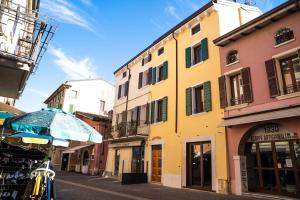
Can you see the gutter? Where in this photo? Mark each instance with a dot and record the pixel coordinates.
(176, 92)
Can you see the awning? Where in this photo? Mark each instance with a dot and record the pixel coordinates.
(73, 149)
(278, 114)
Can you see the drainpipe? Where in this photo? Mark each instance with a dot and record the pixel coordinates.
(176, 92)
(227, 162)
(126, 108)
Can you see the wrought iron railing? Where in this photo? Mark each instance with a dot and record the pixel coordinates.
(24, 33)
(237, 101)
(130, 129)
(292, 88)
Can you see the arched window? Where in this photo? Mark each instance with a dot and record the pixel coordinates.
(283, 35)
(232, 56)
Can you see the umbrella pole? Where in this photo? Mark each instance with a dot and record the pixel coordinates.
(2, 132)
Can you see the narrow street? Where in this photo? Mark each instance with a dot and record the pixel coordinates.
(77, 186)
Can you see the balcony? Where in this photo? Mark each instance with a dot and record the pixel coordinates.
(24, 37)
(130, 130)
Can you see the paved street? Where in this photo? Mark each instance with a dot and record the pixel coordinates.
(77, 186)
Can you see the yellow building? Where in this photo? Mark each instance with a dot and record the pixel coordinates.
(186, 147)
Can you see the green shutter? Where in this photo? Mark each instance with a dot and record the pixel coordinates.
(165, 70)
(147, 113)
(153, 75)
(164, 109)
(207, 96)
(152, 112)
(204, 49)
(188, 94)
(188, 57)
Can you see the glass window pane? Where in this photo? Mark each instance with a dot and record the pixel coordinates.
(297, 153)
(253, 179)
(251, 155)
(287, 181)
(266, 156)
(206, 164)
(269, 180)
(284, 159)
(196, 161)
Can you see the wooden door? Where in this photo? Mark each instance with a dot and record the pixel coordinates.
(156, 163)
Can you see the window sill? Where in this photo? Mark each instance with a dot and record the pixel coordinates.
(196, 65)
(232, 63)
(121, 98)
(284, 43)
(145, 86)
(198, 114)
(237, 106)
(158, 123)
(287, 96)
(160, 82)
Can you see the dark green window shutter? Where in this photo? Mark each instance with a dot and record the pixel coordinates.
(164, 113)
(153, 75)
(207, 96)
(165, 70)
(247, 86)
(149, 79)
(188, 94)
(222, 91)
(152, 112)
(140, 80)
(126, 88)
(204, 49)
(147, 113)
(188, 57)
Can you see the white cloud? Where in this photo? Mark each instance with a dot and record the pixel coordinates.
(86, 2)
(68, 13)
(74, 69)
(171, 10)
(38, 92)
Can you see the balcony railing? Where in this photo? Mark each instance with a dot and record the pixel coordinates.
(292, 88)
(237, 101)
(24, 33)
(133, 128)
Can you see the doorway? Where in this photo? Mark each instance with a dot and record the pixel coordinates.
(117, 162)
(156, 163)
(137, 163)
(65, 162)
(199, 165)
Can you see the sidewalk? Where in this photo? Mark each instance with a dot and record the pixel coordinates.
(77, 186)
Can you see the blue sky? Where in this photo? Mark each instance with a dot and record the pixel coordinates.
(95, 37)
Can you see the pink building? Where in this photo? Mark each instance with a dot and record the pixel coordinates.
(260, 94)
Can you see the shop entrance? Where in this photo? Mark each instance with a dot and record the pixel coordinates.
(117, 162)
(273, 161)
(199, 165)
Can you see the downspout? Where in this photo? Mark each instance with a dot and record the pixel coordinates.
(176, 92)
(126, 107)
(227, 162)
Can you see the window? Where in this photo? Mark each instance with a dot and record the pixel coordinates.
(195, 29)
(144, 78)
(147, 59)
(159, 110)
(123, 90)
(71, 108)
(159, 73)
(198, 99)
(124, 74)
(283, 35)
(160, 51)
(232, 57)
(196, 53)
(102, 105)
(290, 69)
(236, 89)
(73, 94)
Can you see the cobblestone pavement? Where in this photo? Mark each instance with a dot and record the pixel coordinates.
(76, 186)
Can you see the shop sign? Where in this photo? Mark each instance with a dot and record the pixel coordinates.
(272, 133)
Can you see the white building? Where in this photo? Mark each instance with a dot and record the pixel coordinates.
(94, 96)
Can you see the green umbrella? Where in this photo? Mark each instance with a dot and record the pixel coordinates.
(56, 123)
